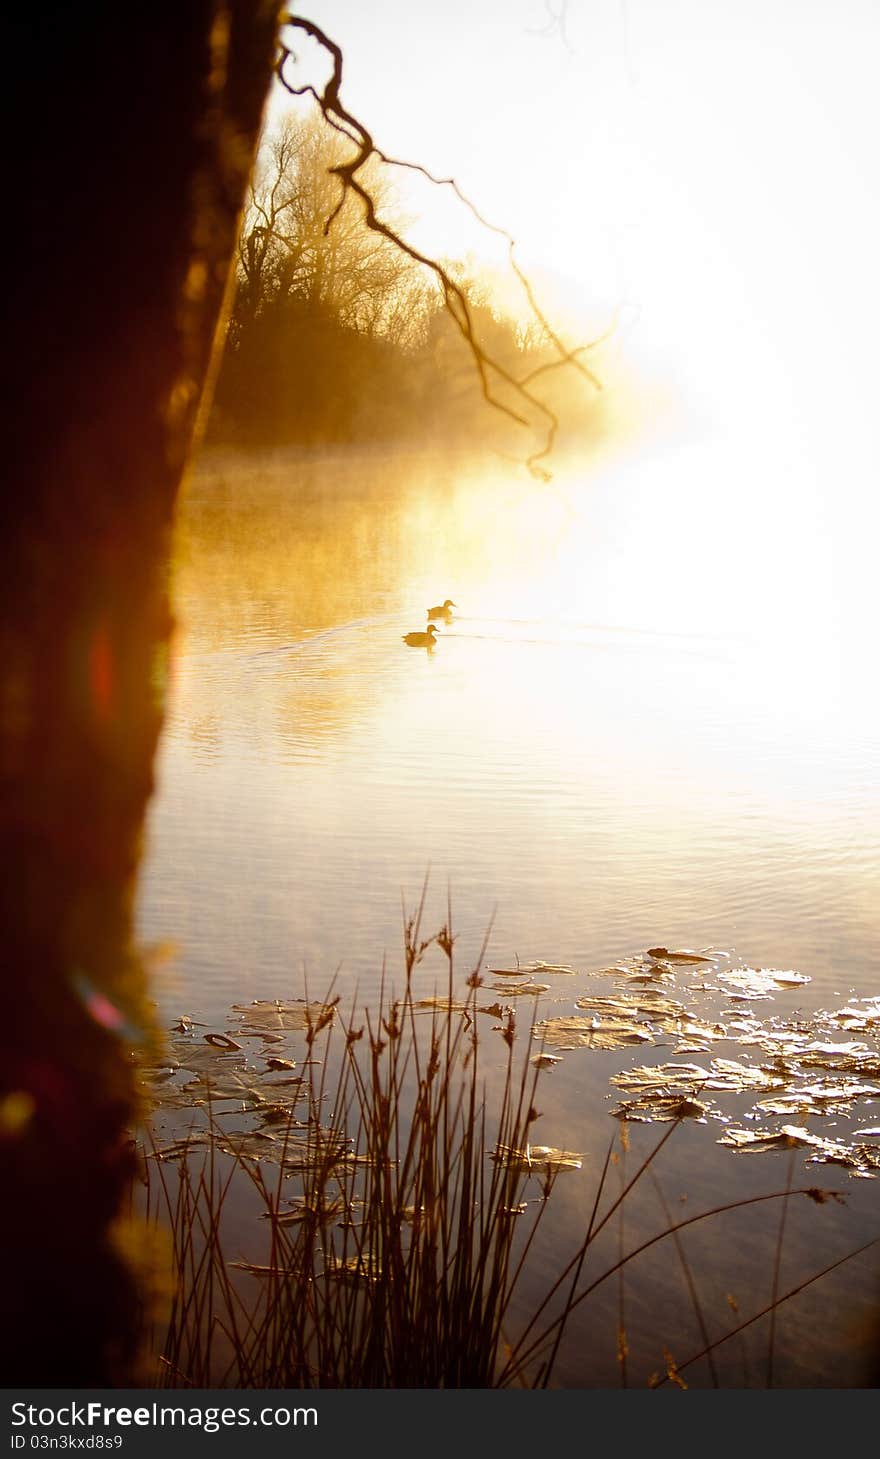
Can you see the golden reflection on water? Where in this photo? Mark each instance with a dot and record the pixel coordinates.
(649, 721)
(645, 721)
(732, 580)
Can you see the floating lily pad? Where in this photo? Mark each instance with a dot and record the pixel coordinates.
(659, 1108)
(516, 989)
(653, 1003)
(307, 1210)
(731, 1076)
(222, 1041)
(789, 1137)
(363, 1267)
(258, 1270)
(546, 1061)
(861, 1159)
(621, 970)
(831, 1097)
(528, 970)
(664, 1078)
(591, 1033)
(858, 1019)
(760, 983)
(659, 975)
(177, 1149)
(696, 1030)
(542, 1160)
(265, 1016)
(683, 955)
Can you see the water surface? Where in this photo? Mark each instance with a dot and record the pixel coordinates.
(651, 720)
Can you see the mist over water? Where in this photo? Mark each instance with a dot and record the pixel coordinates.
(642, 726)
(637, 727)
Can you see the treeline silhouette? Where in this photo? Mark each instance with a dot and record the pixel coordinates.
(336, 335)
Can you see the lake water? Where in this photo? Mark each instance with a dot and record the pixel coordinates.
(652, 720)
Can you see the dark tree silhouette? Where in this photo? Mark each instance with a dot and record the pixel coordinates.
(134, 139)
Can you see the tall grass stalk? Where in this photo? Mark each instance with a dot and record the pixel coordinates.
(401, 1263)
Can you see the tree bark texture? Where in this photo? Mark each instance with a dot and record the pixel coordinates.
(134, 136)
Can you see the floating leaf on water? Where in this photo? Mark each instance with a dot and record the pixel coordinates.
(591, 1033)
(789, 1137)
(528, 970)
(359, 1268)
(280, 1064)
(760, 983)
(744, 1026)
(657, 1108)
(860, 1159)
(222, 1085)
(200, 1057)
(292, 1154)
(267, 1016)
(654, 1004)
(546, 1061)
(845, 1089)
(536, 1159)
(454, 1005)
(662, 1077)
(852, 1050)
(514, 990)
(695, 1028)
(650, 977)
(859, 1019)
(179, 1148)
(820, 1099)
(683, 955)
(256, 1270)
(863, 1062)
(304, 1210)
(279, 1114)
(779, 1044)
(723, 1076)
(222, 1041)
(446, 1005)
(746, 987)
(731, 1077)
(559, 970)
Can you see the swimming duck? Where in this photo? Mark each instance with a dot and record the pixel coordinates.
(442, 610)
(421, 640)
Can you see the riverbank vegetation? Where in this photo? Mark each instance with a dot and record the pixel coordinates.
(378, 1212)
(339, 335)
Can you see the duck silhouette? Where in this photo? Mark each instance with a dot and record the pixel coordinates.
(442, 610)
(421, 640)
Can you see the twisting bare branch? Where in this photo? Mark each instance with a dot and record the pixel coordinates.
(337, 116)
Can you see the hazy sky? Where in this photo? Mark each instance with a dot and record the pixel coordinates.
(709, 163)
(709, 167)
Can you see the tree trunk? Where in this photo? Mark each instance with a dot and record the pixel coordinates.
(137, 144)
